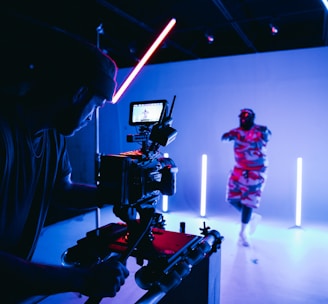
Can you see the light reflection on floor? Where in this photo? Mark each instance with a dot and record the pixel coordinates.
(283, 265)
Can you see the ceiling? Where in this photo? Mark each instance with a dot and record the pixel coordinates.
(203, 29)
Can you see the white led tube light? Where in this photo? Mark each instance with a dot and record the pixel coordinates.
(298, 213)
(203, 186)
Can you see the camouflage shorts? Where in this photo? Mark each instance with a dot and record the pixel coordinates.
(245, 186)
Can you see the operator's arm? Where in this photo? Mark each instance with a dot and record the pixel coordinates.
(23, 279)
(78, 195)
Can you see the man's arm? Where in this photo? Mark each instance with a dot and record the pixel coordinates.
(78, 195)
(231, 135)
(23, 279)
(266, 133)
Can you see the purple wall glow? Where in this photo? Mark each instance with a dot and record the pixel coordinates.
(287, 90)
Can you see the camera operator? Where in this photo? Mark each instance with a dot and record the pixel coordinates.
(50, 87)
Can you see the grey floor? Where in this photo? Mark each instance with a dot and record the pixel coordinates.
(283, 265)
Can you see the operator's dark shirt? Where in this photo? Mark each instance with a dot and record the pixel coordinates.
(30, 165)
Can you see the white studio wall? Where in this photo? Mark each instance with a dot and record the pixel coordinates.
(288, 92)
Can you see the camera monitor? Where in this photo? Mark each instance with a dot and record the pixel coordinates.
(146, 112)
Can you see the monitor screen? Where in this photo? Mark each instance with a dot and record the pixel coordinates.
(146, 112)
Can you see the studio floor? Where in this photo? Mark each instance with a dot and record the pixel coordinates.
(282, 265)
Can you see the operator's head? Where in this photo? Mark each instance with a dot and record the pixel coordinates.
(49, 63)
(59, 75)
(89, 82)
(246, 118)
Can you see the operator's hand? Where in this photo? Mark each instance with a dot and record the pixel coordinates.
(105, 279)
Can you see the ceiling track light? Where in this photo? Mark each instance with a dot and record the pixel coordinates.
(209, 37)
(273, 29)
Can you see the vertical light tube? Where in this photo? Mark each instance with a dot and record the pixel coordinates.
(325, 3)
(165, 203)
(143, 60)
(165, 199)
(298, 212)
(203, 186)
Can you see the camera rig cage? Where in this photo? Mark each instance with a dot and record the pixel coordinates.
(134, 182)
(138, 177)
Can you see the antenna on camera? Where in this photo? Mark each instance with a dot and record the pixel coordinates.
(171, 110)
(166, 120)
(162, 133)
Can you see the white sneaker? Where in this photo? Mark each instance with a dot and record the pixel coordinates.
(243, 240)
(256, 218)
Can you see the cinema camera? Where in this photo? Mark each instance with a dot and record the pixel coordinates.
(134, 182)
(137, 177)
